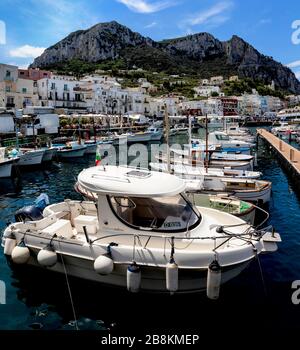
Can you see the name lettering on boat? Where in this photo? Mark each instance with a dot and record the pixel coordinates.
(172, 224)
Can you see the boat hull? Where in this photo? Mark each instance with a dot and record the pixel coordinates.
(6, 169)
(31, 158)
(72, 153)
(263, 196)
(91, 148)
(49, 155)
(153, 279)
(156, 136)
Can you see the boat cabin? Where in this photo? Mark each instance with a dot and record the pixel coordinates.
(130, 199)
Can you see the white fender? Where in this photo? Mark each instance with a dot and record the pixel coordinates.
(104, 265)
(213, 280)
(47, 257)
(20, 254)
(10, 243)
(133, 278)
(172, 276)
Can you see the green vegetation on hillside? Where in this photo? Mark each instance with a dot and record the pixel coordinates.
(237, 88)
(79, 68)
(168, 78)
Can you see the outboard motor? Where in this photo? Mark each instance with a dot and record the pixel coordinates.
(33, 212)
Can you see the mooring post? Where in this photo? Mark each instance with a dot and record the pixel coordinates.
(292, 155)
(280, 146)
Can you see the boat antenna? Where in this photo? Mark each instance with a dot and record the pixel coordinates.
(167, 130)
(206, 143)
(190, 129)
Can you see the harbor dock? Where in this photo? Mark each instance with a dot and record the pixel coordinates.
(288, 155)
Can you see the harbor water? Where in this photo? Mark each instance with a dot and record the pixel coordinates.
(261, 297)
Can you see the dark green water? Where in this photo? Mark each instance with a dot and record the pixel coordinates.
(41, 299)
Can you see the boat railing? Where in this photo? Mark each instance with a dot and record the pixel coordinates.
(249, 235)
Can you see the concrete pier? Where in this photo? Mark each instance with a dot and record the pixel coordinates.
(287, 154)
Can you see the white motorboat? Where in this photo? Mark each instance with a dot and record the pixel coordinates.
(286, 131)
(141, 136)
(156, 133)
(194, 172)
(251, 190)
(6, 164)
(139, 233)
(28, 156)
(199, 154)
(178, 129)
(72, 149)
(237, 133)
(213, 163)
(222, 141)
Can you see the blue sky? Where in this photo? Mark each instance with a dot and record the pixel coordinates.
(32, 25)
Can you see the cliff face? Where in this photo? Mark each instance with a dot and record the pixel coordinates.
(101, 42)
(199, 53)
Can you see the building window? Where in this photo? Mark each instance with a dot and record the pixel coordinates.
(65, 87)
(8, 74)
(52, 86)
(43, 84)
(24, 90)
(7, 88)
(35, 84)
(10, 102)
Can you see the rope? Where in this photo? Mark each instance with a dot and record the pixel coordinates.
(261, 273)
(69, 290)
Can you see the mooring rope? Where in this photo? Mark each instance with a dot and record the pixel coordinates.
(69, 290)
(261, 273)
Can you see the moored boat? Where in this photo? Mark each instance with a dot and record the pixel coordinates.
(140, 233)
(70, 150)
(6, 164)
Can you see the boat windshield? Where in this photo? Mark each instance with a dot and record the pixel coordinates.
(222, 137)
(162, 214)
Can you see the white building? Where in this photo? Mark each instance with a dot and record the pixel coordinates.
(173, 104)
(206, 91)
(60, 92)
(218, 80)
(211, 106)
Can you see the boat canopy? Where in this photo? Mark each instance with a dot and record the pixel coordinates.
(126, 181)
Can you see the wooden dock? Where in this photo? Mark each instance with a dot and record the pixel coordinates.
(287, 154)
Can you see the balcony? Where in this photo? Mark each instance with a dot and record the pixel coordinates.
(7, 78)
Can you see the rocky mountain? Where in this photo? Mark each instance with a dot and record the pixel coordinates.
(199, 54)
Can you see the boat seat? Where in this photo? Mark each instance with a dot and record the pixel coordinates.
(90, 222)
(62, 228)
(40, 224)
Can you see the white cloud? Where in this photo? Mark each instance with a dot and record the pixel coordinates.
(294, 64)
(151, 25)
(61, 17)
(215, 15)
(144, 6)
(265, 21)
(26, 51)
